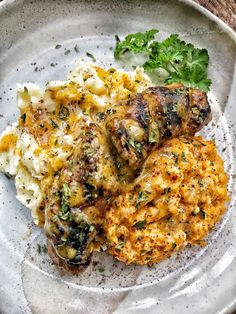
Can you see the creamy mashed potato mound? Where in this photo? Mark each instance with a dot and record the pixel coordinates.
(39, 144)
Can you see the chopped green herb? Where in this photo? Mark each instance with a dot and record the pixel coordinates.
(76, 48)
(8, 176)
(26, 89)
(196, 111)
(195, 211)
(200, 183)
(140, 224)
(131, 197)
(63, 112)
(23, 117)
(67, 52)
(120, 246)
(53, 123)
(65, 216)
(143, 252)
(88, 54)
(224, 149)
(63, 239)
(167, 190)
(176, 157)
(117, 38)
(132, 142)
(44, 248)
(101, 115)
(66, 193)
(135, 144)
(101, 270)
(142, 197)
(88, 151)
(108, 199)
(153, 135)
(175, 107)
(91, 228)
(39, 248)
(203, 214)
(111, 111)
(58, 46)
(183, 155)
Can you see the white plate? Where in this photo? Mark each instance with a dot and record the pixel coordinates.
(196, 280)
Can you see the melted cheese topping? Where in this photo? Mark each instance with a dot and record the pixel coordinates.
(176, 200)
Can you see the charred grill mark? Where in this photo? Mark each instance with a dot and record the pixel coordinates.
(187, 102)
(139, 111)
(172, 120)
(167, 134)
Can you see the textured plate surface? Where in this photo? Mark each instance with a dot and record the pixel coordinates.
(196, 280)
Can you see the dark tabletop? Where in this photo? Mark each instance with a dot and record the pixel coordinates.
(224, 9)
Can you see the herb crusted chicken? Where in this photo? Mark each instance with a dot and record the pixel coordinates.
(146, 120)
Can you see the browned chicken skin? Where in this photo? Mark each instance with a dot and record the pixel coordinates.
(153, 116)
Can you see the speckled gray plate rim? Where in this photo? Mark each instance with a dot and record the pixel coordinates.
(196, 280)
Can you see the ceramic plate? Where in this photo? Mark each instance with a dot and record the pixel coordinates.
(196, 280)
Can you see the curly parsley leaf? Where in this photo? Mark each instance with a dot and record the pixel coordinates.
(135, 43)
(181, 61)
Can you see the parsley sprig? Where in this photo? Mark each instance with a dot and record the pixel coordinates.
(181, 61)
(136, 43)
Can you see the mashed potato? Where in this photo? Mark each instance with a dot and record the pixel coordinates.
(40, 143)
(178, 197)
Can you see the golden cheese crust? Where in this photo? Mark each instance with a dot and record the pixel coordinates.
(178, 197)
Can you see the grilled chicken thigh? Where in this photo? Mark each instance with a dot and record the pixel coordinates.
(153, 116)
(78, 200)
